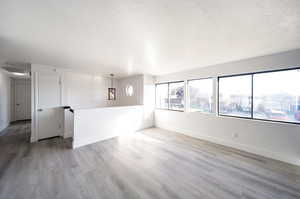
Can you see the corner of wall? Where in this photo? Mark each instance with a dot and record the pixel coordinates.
(5, 99)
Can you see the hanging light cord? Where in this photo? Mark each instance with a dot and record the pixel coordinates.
(112, 80)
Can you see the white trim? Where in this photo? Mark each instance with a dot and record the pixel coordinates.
(34, 103)
(60, 83)
(186, 97)
(12, 100)
(216, 95)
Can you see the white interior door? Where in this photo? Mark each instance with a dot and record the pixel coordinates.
(49, 113)
(22, 99)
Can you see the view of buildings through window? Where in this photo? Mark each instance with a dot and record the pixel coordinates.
(170, 96)
(276, 95)
(201, 95)
(235, 95)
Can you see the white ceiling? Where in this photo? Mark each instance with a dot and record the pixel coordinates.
(145, 36)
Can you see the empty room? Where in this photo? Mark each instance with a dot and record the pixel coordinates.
(156, 99)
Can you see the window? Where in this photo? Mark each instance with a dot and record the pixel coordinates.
(235, 95)
(170, 96)
(162, 99)
(276, 96)
(272, 95)
(201, 95)
(176, 96)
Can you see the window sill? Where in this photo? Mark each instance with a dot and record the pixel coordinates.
(164, 109)
(260, 120)
(202, 112)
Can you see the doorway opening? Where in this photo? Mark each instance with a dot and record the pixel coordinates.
(18, 100)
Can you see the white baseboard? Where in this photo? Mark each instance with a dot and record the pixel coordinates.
(243, 147)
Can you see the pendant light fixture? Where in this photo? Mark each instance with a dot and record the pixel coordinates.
(112, 90)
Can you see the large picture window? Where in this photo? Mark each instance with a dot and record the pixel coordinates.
(276, 96)
(201, 93)
(235, 95)
(170, 96)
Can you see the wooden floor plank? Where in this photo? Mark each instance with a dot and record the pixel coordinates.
(150, 164)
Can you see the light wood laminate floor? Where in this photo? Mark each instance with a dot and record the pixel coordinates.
(151, 164)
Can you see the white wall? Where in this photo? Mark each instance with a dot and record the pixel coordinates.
(78, 90)
(68, 124)
(97, 124)
(143, 94)
(149, 100)
(85, 90)
(81, 91)
(275, 140)
(131, 114)
(5, 99)
(137, 82)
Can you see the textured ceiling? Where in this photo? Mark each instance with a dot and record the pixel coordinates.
(145, 36)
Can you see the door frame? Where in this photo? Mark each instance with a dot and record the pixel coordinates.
(35, 100)
(34, 105)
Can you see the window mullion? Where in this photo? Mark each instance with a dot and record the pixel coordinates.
(168, 95)
(252, 96)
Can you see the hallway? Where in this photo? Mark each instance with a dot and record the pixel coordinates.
(17, 128)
